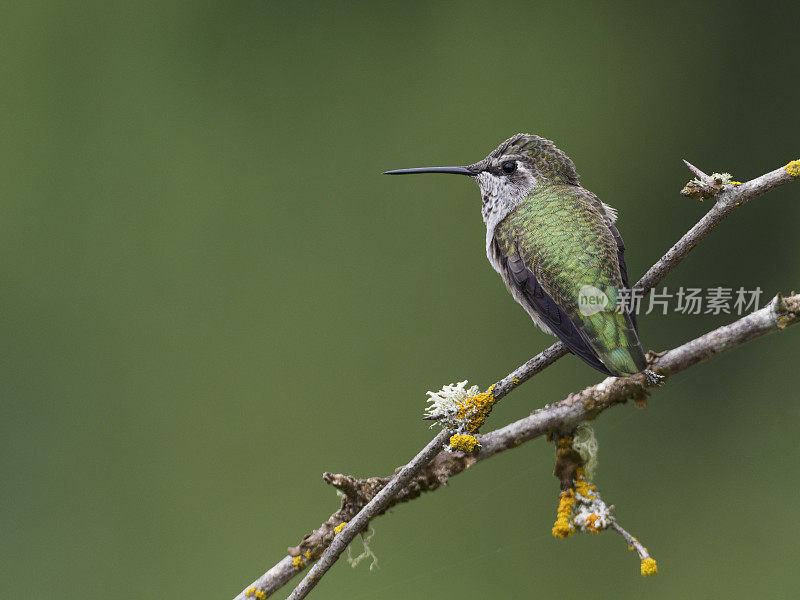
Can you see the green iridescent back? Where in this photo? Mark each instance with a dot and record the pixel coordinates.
(561, 233)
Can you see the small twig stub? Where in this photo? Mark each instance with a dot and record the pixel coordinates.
(705, 186)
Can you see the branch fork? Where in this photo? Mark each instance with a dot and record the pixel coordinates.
(705, 186)
(364, 499)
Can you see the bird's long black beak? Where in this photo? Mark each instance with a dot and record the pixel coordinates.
(454, 170)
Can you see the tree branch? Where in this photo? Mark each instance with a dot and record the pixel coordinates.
(777, 315)
(590, 402)
(419, 475)
(374, 507)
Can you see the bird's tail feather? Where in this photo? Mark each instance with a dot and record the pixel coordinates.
(613, 337)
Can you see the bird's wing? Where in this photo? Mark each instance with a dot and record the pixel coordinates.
(623, 267)
(552, 246)
(522, 278)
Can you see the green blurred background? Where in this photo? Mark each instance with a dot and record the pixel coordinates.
(211, 295)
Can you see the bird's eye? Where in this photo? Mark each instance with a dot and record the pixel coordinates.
(509, 167)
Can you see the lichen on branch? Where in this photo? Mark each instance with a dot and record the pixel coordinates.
(364, 498)
(580, 506)
(462, 411)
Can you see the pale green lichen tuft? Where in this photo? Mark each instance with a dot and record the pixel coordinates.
(721, 178)
(446, 403)
(584, 442)
(353, 561)
(461, 410)
(702, 189)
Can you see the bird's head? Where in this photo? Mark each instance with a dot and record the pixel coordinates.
(513, 169)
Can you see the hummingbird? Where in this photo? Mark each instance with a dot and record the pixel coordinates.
(557, 249)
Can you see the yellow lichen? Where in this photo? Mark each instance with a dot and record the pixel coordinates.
(591, 523)
(298, 563)
(250, 591)
(793, 168)
(515, 380)
(261, 595)
(566, 503)
(562, 528)
(583, 487)
(463, 442)
(339, 527)
(307, 554)
(475, 409)
(649, 567)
